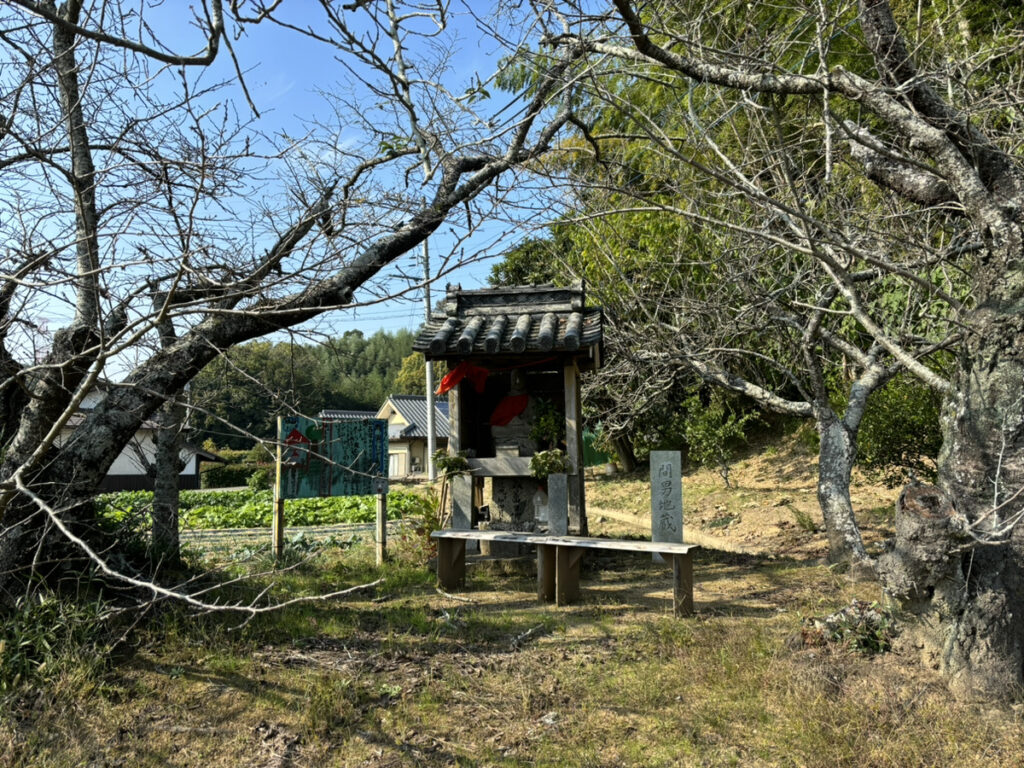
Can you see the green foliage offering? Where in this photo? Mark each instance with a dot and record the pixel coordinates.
(553, 462)
(548, 427)
(448, 464)
(254, 509)
(900, 430)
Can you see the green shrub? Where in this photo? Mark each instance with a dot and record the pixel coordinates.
(259, 480)
(713, 426)
(259, 454)
(861, 626)
(233, 456)
(803, 519)
(225, 475)
(900, 430)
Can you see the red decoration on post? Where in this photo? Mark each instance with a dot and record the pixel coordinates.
(475, 373)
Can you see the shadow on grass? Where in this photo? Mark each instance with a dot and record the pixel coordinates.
(623, 583)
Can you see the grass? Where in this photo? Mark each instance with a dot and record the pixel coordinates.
(405, 675)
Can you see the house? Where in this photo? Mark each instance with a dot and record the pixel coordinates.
(130, 470)
(407, 432)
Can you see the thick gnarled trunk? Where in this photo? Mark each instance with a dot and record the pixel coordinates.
(982, 468)
(958, 563)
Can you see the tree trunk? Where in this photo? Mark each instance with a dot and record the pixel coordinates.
(923, 570)
(167, 466)
(836, 456)
(962, 573)
(982, 467)
(624, 451)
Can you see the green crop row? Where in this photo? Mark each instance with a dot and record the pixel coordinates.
(254, 509)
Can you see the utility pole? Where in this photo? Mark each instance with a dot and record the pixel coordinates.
(431, 427)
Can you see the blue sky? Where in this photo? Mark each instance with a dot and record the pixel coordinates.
(283, 73)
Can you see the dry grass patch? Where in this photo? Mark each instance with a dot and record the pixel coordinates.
(407, 676)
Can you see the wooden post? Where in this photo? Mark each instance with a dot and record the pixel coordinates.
(451, 563)
(682, 584)
(382, 527)
(567, 574)
(277, 525)
(546, 572)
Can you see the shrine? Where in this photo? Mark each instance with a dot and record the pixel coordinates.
(514, 358)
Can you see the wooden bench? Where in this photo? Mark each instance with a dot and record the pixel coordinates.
(558, 562)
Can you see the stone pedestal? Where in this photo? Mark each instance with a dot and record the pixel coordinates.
(512, 510)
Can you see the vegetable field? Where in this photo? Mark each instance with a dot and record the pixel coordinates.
(253, 509)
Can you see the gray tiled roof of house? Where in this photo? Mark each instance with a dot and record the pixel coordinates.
(414, 410)
(522, 320)
(347, 415)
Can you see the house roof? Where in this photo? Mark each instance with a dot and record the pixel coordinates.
(413, 410)
(202, 454)
(342, 415)
(522, 320)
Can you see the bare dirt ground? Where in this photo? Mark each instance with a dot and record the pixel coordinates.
(770, 510)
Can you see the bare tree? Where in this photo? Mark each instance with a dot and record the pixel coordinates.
(127, 177)
(928, 129)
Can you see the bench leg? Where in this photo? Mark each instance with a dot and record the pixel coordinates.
(567, 574)
(682, 584)
(546, 573)
(451, 563)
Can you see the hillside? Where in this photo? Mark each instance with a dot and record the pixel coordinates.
(770, 510)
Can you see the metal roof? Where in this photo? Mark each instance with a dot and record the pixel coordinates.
(347, 415)
(521, 320)
(413, 408)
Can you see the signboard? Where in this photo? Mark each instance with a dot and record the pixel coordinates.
(666, 497)
(321, 457)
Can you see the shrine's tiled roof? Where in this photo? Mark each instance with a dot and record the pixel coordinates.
(523, 320)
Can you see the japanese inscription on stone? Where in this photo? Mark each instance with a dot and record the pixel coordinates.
(666, 497)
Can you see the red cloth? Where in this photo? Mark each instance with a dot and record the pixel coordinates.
(508, 409)
(476, 374)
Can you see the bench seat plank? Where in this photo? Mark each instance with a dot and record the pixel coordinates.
(558, 561)
(587, 542)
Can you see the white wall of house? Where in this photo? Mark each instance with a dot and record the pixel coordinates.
(128, 461)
